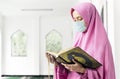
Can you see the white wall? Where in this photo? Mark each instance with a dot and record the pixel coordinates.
(28, 65)
(25, 14)
(36, 28)
(117, 36)
(1, 24)
(29, 21)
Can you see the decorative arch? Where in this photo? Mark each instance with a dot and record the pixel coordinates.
(18, 43)
(53, 41)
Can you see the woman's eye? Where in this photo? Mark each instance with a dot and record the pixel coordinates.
(79, 18)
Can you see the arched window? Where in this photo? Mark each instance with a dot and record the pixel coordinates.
(18, 43)
(53, 41)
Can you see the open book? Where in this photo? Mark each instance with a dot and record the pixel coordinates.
(76, 53)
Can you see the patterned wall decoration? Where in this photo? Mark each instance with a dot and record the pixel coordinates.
(19, 43)
(53, 41)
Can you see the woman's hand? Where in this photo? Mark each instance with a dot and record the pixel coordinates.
(75, 67)
(51, 59)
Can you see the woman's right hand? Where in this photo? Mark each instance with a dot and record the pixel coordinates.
(51, 59)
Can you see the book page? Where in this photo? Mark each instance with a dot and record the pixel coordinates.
(52, 53)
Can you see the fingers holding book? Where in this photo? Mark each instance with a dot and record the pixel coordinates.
(77, 67)
(51, 58)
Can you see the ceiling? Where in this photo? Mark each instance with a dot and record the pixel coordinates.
(36, 7)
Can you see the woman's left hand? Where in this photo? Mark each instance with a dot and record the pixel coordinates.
(75, 67)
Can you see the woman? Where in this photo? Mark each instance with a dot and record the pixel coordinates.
(90, 35)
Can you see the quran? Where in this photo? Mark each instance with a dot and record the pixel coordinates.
(79, 55)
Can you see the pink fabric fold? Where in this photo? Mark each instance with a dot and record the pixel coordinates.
(60, 72)
(94, 41)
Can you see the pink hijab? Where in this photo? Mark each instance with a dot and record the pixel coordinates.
(95, 35)
(94, 41)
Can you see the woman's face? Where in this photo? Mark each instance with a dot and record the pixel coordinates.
(76, 16)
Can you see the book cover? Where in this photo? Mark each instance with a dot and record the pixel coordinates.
(76, 53)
